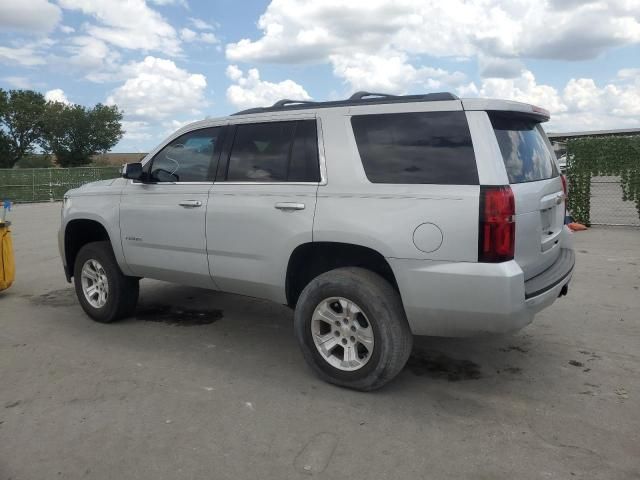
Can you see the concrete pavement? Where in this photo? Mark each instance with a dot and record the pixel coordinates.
(208, 385)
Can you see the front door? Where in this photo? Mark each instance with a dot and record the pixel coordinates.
(262, 205)
(162, 218)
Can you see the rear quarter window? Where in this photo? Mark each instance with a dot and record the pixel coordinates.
(526, 153)
(417, 147)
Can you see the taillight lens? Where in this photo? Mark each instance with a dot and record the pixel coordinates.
(497, 232)
(566, 193)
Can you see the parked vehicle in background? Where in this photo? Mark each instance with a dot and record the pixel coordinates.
(376, 218)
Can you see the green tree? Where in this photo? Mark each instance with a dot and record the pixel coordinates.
(74, 133)
(21, 115)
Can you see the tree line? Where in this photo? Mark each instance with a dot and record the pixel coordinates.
(73, 133)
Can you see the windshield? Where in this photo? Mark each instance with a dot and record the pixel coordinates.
(525, 150)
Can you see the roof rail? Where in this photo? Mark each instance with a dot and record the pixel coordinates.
(358, 98)
(361, 95)
(286, 101)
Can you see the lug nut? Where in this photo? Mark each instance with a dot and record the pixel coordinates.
(344, 341)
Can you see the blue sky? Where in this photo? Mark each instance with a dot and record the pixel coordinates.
(167, 62)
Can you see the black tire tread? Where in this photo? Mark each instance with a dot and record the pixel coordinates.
(392, 323)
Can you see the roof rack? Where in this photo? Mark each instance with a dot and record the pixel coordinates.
(285, 102)
(358, 98)
(361, 95)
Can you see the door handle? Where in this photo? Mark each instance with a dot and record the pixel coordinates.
(190, 203)
(289, 206)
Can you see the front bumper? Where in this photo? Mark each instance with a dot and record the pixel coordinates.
(466, 299)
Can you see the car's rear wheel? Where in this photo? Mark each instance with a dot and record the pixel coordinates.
(352, 328)
(104, 292)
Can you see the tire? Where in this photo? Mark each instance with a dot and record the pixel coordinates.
(121, 292)
(380, 305)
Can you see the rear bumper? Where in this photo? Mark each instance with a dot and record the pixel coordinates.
(465, 299)
(551, 277)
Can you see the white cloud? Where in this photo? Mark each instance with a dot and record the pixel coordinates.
(188, 35)
(200, 24)
(297, 31)
(580, 105)
(136, 130)
(67, 29)
(390, 72)
(208, 37)
(523, 89)
(56, 95)
(157, 88)
(249, 91)
(128, 24)
(171, 126)
(37, 16)
(18, 82)
(94, 56)
(491, 67)
(27, 55)
(181, 3)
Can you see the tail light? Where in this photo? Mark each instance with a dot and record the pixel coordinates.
(496, 242)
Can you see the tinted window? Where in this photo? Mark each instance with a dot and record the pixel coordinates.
(275, 152)
(187, 158)
(526, 154)
(423, 147)
(303, 165)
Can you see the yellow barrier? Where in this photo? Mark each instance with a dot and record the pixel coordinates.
(7, 263)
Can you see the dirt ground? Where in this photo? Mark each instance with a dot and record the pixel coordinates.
(208, 385)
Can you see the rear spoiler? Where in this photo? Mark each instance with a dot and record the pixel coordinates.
(540, 114)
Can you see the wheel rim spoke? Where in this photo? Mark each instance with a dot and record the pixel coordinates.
(328, 345)
(349, 356)
(89, 272)
(365, 337)
(325, 313)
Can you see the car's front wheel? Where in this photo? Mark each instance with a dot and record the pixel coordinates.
(104, 292)
(352, 328)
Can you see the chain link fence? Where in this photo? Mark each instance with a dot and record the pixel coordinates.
(607, 206)
(48, 184)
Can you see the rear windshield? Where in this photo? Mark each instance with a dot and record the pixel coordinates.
(420, 147)
(526, 153)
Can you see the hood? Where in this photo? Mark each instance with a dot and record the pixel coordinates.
(99, 186)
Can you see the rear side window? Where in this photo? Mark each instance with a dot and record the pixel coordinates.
(420, 147)
(275, 152)
(526, 153)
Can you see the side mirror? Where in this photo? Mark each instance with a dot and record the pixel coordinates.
(132, 171)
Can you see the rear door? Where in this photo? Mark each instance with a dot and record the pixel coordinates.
(262, 204)
(537, 187)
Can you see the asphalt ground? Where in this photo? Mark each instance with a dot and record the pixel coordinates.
(202, 384)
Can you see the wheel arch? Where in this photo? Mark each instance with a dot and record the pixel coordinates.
(311, 259)
(77, 233)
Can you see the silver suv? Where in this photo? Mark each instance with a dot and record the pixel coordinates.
(377, 218)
